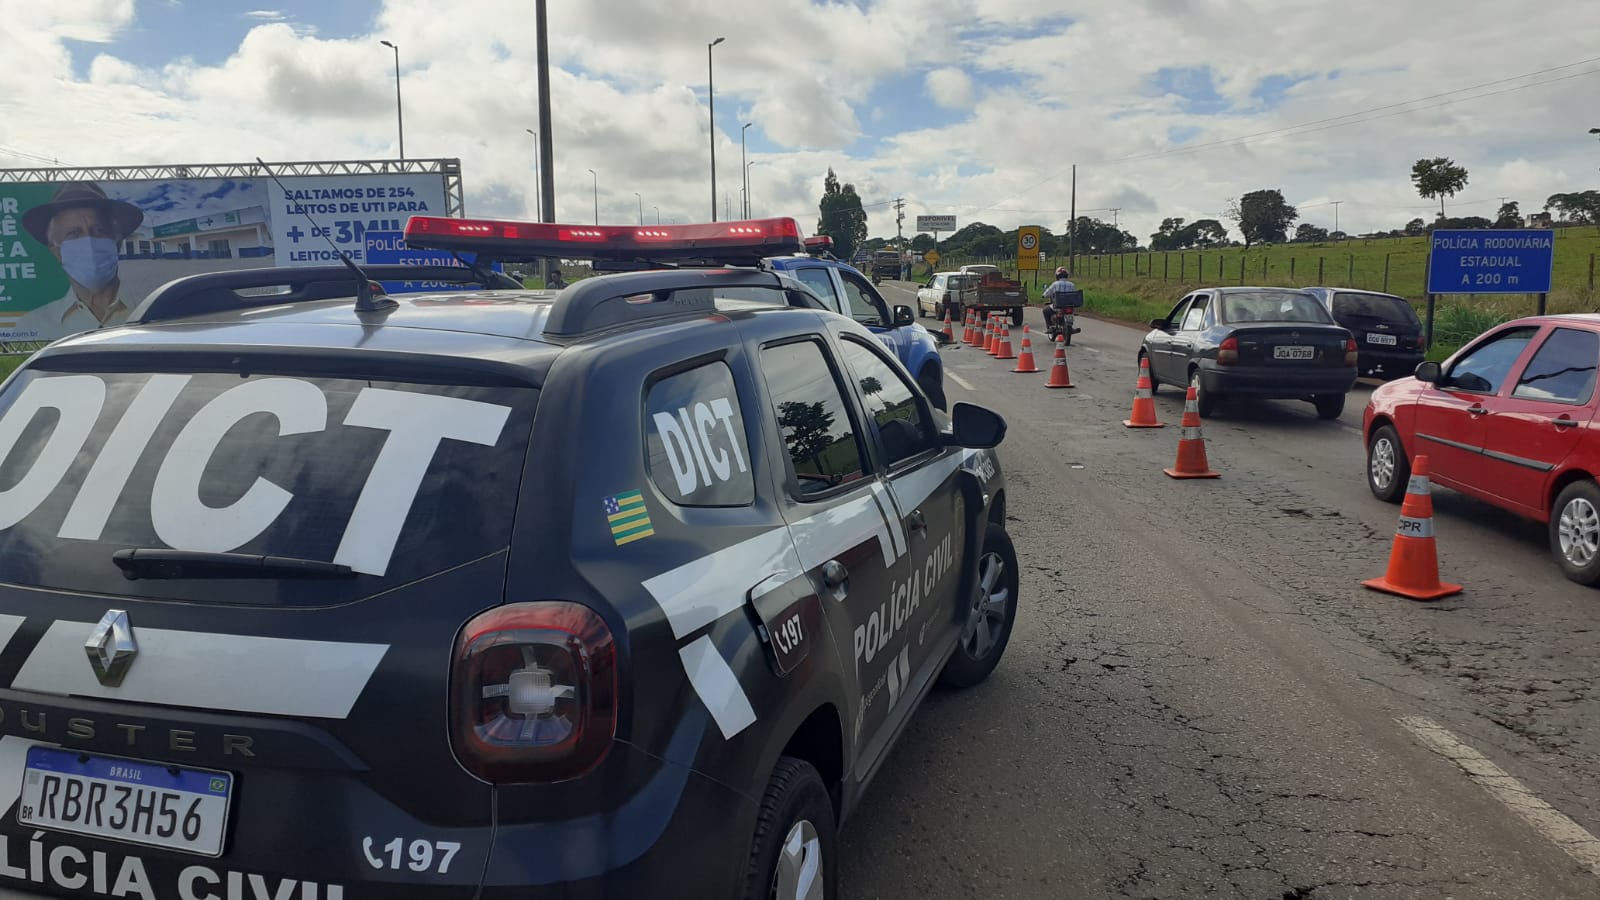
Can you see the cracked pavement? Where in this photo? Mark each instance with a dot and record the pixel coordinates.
(1199, 699)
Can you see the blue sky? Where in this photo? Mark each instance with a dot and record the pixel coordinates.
(972, 107)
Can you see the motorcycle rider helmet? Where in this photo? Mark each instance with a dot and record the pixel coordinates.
(1061, 272)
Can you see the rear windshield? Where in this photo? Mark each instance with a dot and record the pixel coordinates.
(1374, 308)
(1273, 306)
(962, 282)
(396, 481)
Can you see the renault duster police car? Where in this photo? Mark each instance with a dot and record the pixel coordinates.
(621, 591)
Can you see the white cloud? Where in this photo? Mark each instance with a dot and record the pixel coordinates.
(950, 88)
(1028, 88)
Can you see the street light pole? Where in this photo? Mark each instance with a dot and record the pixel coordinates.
(538, 205)
(399, 110)
(744, 170)
(596, 197)
(749, 206)
(641, 206)
(658, 214)
(711, 102)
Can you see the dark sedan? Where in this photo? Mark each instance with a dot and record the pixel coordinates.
(1277, 343)
(1387, 331)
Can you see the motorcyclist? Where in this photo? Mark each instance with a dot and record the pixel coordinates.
(1064, 288)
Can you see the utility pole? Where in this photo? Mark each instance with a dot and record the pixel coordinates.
(1336, 216)
(1072, 225)
(1114, 211)
(711, 102)
(899, 217)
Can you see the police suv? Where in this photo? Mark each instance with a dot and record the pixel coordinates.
(312, 593)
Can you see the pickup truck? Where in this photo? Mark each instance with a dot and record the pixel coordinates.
(997, 293)
(885, 264)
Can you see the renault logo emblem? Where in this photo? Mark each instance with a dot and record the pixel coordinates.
(111, 647)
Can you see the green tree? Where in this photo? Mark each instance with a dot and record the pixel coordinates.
(842, 219)
(1209, 233)
(1438, 177)
(1263, 216)
(1308, 233)
(922, 243)
(1416, 227)
(1582, 207)
(1509, 216)
(1168, 237)
(807, 429)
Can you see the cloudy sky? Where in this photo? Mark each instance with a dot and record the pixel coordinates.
(968, 107)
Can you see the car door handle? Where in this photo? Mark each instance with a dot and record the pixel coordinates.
(918, 522)
(1564, 422)
(835, 575)
(1476, 411)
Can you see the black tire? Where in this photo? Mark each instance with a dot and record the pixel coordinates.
(1329, 406)
(795, 794)
(921, 313)
(977, 654)
(1205, 402)
(1066, 336)
(1016, 317)
(1386, 453)
(1575, 519)
(932, 386)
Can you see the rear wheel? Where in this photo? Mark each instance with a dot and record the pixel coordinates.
(1205, 402)
(991, 611)
(1016, 317)
(1329, 406)
(793, 854)
(931, 385)
(1575, 531)
(1388, 470)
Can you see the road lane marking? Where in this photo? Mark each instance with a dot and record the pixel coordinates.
(961, 381)
(1545, 819)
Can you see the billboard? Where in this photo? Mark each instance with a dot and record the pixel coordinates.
(80, 254)
(936, 223)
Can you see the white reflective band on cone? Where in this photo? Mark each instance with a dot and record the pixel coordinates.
(1417, 485)
(1191, 433)
(1191, 406)
(1142, 393)
(1414, 527)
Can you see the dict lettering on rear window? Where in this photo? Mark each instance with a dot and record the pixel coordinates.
(695, 440)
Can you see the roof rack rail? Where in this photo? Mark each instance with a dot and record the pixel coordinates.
(211, 292)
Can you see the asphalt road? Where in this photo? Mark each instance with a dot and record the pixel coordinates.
(1201, 701)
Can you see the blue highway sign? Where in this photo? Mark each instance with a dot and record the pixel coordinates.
(1491, 262)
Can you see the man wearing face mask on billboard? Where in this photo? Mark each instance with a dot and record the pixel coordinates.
(83, 229)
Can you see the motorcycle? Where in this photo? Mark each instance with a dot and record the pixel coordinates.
(1060, 317)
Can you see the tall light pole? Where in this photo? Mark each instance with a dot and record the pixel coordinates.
(711, 101)
(596, 197)
(547, 168)
(658, 214)
(749, 206)
(538, 206)
(745, 170)
(399, 110)
(641, 206)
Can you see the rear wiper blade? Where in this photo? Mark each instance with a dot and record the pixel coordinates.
(181, 564)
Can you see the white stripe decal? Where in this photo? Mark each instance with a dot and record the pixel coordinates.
(704, 590)
(227, 672)
(8, 629)
(717, 686)
(891, 514)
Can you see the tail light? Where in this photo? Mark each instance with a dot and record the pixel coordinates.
(1228, 351)
(533, 692)
(1351, 351)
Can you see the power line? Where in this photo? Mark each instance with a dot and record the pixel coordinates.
(1354, 118)
(21, 154)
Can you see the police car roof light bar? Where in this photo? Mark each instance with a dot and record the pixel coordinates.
(746, 242)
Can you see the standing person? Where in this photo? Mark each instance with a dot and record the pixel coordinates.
(1062, 294)
(83, 228)
(554, 281)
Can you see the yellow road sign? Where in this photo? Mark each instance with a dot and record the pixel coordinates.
(932, 256)
(1028, 251)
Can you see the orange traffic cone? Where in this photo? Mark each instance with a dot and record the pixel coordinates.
(949, 331)
(988, 334)
(967, 336)
(1144, 400)
(1413, 559)
(993, 342)
(1003, 349)
(1025, 362)
(1059, 376)
(1192, 445)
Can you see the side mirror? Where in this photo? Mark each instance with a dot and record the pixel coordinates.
(903, 316)
(1158, 324)
(975, 427)
(1429, 372)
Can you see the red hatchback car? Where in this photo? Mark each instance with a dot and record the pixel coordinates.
(1510, 419)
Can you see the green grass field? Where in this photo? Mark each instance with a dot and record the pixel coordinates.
(8, 364)
(1139, 287)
